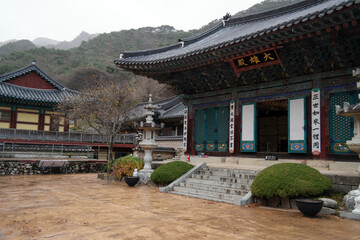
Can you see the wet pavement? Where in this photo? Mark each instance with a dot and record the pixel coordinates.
(84, 207)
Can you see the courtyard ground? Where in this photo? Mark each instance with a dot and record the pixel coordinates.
(84, 207)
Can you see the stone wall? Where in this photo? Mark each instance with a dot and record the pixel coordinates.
(17, 167)
(176, 144)
(343, 184)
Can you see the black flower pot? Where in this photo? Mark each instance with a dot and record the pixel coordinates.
(132, 181)
(309, 207)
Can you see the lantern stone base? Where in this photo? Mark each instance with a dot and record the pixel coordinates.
(145, 175)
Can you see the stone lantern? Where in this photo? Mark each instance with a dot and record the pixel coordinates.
(352, 199)
(148, 143)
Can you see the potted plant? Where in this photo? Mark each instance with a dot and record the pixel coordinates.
(132, 180)
(125, 166)
(309, 207)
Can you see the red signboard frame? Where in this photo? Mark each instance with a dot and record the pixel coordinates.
(238, 69)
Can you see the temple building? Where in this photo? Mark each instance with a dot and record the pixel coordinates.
(29, 98)
(30, 125)
(265, 83)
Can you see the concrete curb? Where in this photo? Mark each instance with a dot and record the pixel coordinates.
(247, 199)
(171, 186)
(349, 215)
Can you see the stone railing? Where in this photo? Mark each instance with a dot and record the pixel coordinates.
(34, 135)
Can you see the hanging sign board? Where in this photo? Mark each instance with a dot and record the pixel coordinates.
(185, 128)
(231, 126)
(315, 122)
(260, 59)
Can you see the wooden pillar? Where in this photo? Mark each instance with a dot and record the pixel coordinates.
(325, 125)
(237, 127)
(13, 117)
(191, 131)
(41, 122)
(66, 124)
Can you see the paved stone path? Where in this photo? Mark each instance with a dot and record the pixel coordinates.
(85, 207)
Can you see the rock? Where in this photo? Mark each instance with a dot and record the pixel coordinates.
(330, 203)
(327, 211)
(274, 202)
(349, 199)
(285, 203)
(293, 204)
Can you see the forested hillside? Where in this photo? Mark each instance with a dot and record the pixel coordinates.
(20, 45)
(97, 54)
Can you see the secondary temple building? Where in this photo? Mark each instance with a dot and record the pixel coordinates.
(265, 83)
(28, 98)
(30, 123)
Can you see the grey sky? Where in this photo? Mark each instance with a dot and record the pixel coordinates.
(64, 20)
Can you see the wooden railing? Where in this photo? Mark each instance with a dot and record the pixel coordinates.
(34, 135)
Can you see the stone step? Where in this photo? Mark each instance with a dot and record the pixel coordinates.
(242, 191)
(241, 184)
(231, 170)
(237, 174)
(209, 194)
(233, 173)
(222, 179)
(203, 197)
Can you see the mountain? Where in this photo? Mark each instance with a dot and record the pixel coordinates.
(44, 42)
(17, 46)
(6, 42)
(99, 52)
(76, 42)
(64, 45)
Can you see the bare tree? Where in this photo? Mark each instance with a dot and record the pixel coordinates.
(105, 108)
(144, 86)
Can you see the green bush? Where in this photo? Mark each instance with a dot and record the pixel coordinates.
(169, 172)
(125, 166)
(289, 180)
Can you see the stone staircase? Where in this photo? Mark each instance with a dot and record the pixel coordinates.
(217, 184)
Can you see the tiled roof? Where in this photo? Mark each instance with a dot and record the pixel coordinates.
(51, 96)
(31, 68)
(168, 108)
(238, 30)
(35, 95)
(176, 111)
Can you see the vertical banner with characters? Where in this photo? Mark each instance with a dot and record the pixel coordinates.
(185, 128)
(315, 122)
(231, 126)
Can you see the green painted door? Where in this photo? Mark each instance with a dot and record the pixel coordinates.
(212, 129)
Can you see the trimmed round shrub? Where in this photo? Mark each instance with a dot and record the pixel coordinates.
(169, 172)
(289, 180)
(125, 166)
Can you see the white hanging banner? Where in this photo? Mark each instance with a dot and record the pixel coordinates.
(248, 128)
(185, 128)
(297, 125)
(231, 126)
(315, 122)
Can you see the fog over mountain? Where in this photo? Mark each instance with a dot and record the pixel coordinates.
(64, 45)
(13, 45)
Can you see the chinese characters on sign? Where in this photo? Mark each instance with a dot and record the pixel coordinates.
(255, 60)
(231, 126)
(185, 128)
(315, 121)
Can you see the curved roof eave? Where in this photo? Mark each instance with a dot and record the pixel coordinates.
(245, 28)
